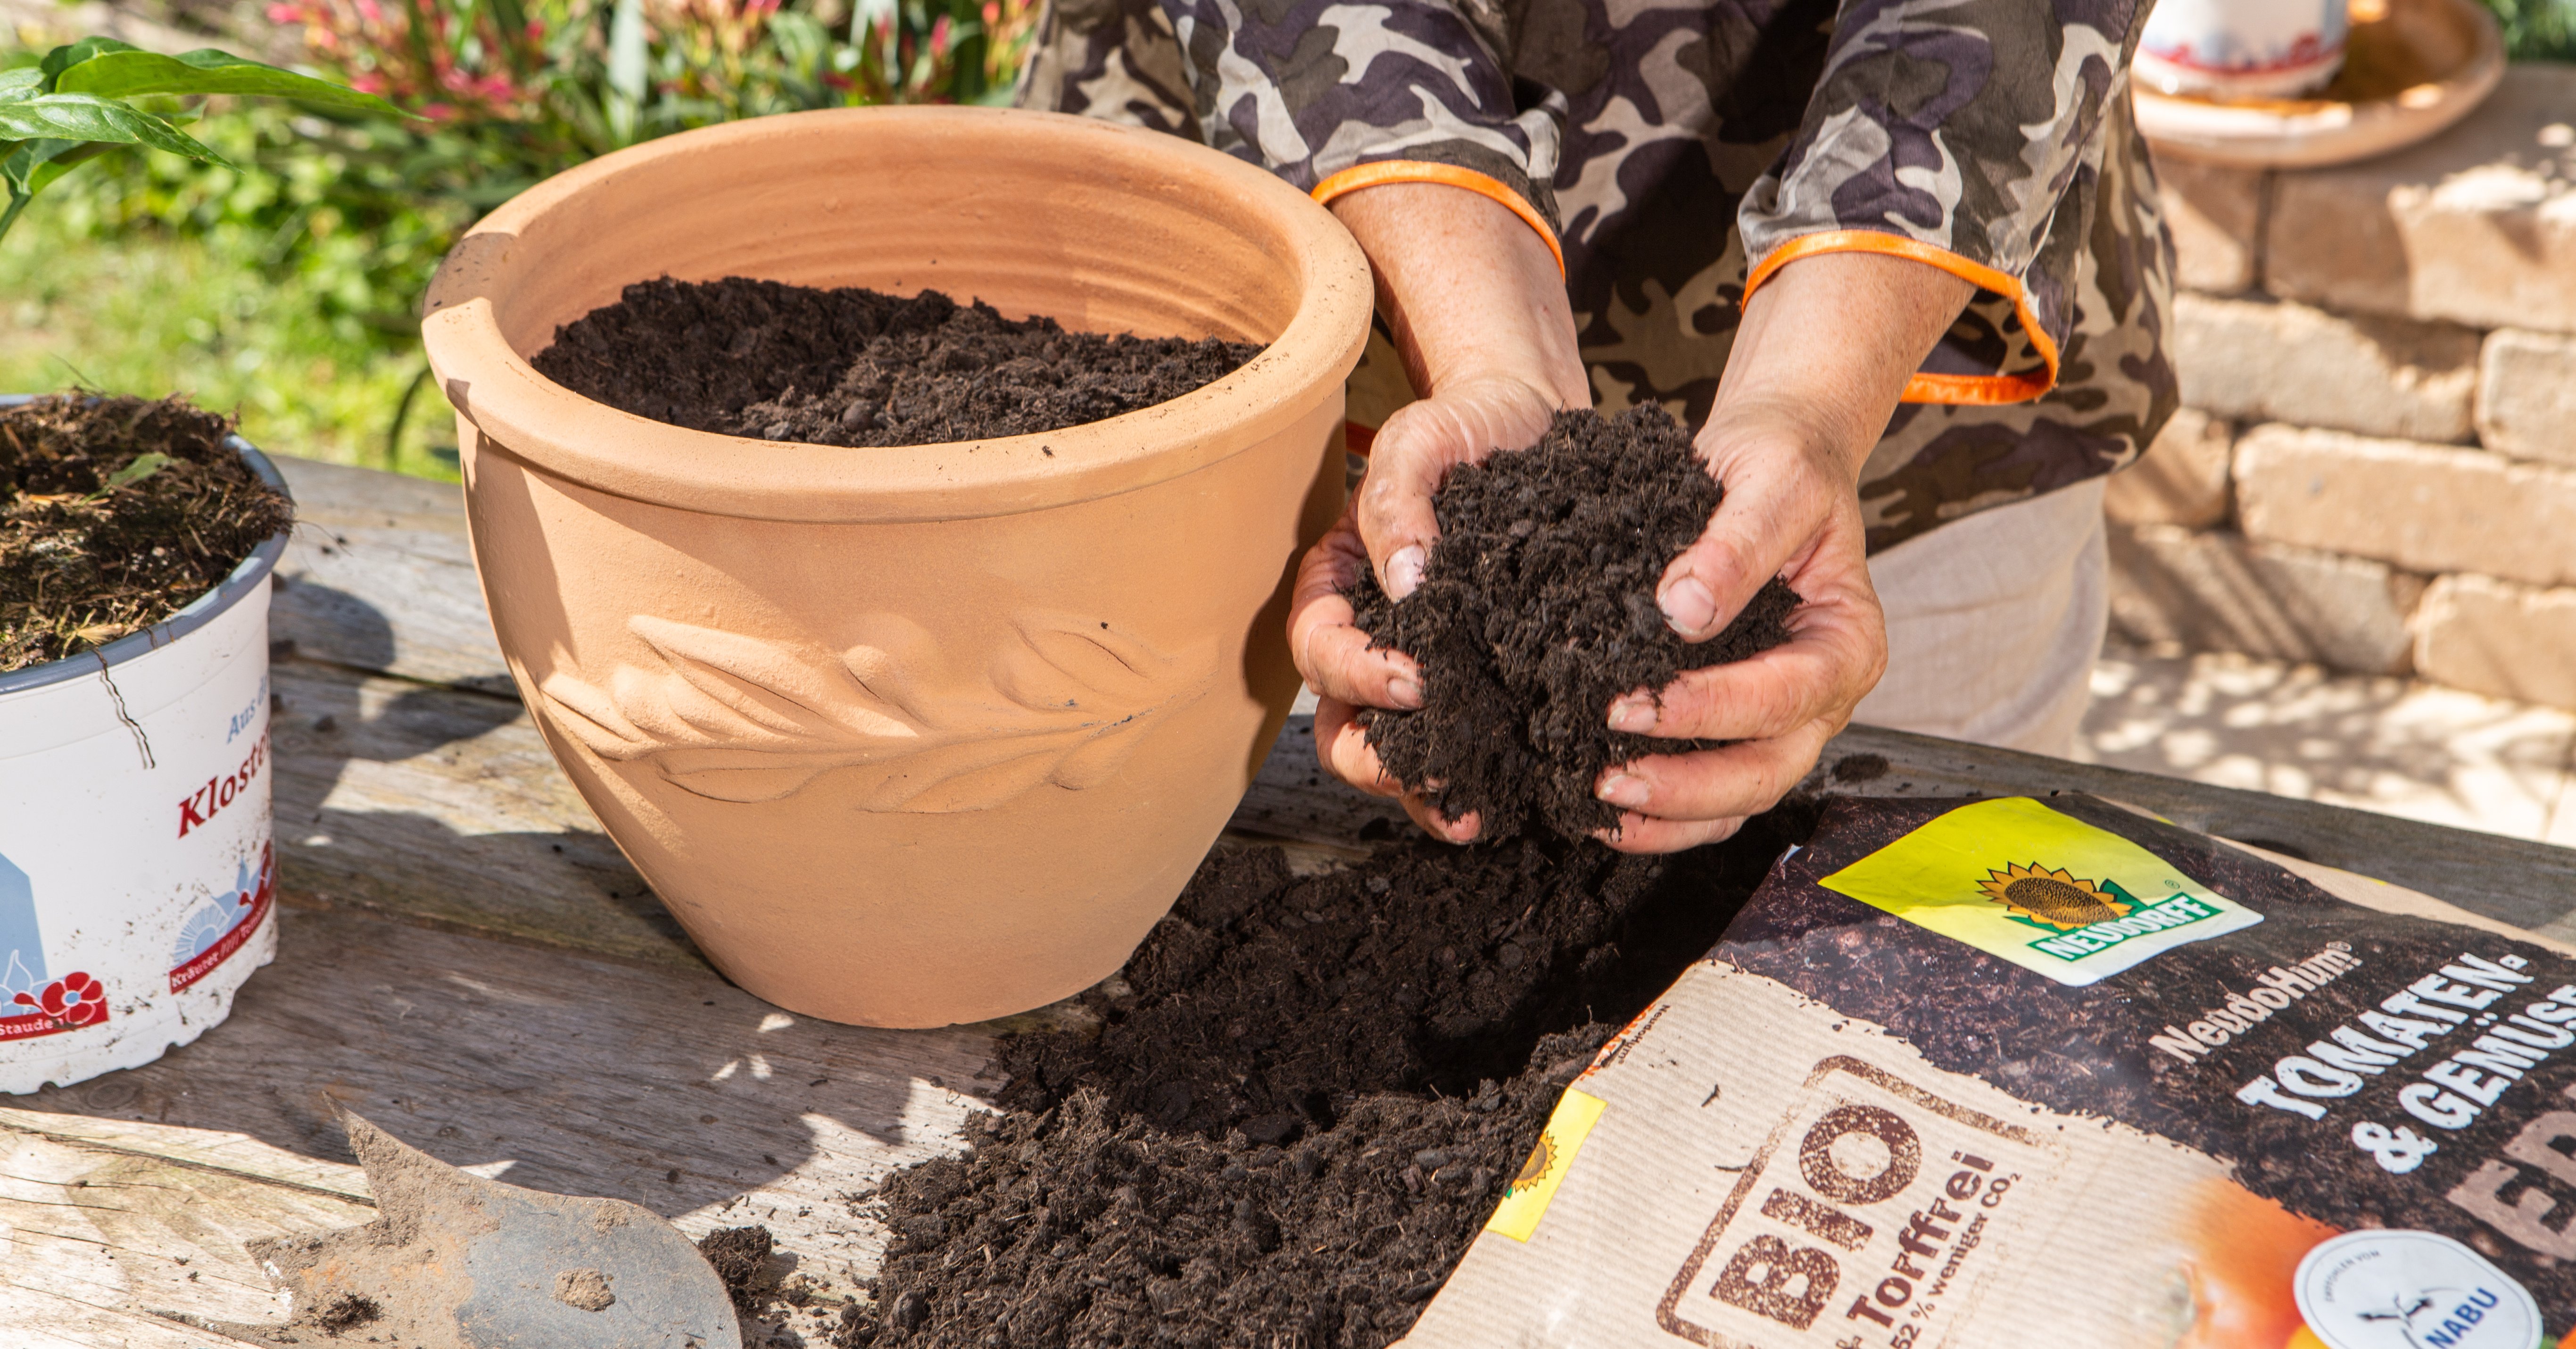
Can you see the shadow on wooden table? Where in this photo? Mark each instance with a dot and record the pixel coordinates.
(469, 962)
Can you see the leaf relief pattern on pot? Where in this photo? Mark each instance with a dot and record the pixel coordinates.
(923, 728)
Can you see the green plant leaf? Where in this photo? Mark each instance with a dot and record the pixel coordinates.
(131, 74)
(20, 83)
(136, 470)
(87, 117)
(52, 159)
(71, 54)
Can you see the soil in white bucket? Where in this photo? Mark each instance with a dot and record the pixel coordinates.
(137, 876)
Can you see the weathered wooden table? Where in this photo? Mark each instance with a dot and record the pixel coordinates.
(468, 961)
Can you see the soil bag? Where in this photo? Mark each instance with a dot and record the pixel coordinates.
(2009, 1073)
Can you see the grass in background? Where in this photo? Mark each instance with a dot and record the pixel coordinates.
(286, 290)
(148, 313)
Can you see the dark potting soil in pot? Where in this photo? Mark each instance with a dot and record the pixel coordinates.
(859, 367)
(1305, 1101)
(1537, 609)
(116, 513)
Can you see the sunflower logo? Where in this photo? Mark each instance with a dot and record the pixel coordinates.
(2045, 894)
(1541, 1158)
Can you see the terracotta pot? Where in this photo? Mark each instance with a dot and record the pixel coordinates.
(909, 736)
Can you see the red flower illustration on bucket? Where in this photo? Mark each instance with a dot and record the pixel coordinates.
(74, 1000)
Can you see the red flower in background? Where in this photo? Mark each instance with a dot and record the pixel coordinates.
(74, 1000)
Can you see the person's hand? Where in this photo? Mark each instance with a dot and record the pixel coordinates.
(1481, 320)
(1819, 362)
(1390, 517)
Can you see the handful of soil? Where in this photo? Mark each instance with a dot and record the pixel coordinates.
(1537, 609)
(116, 513)
(771, 361)
(1309, 1097)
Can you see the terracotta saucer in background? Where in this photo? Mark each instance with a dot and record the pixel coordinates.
(2411, 68)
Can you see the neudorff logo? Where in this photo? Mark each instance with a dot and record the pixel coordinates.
(2041, 889)
(2411, 1290)
(2081, 917)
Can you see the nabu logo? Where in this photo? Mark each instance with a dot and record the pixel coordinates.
(2399, 1289)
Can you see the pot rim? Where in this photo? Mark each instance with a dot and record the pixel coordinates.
(249, 575)
(535, 420)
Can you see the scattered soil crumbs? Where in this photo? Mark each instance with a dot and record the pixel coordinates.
(1860, 768)
(740, 1256)
(860, 367)
(115, 513)
(342, 1314)
(1306, 1102)
(1537, 609)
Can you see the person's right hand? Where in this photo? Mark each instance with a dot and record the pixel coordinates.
(1390, 518)
(1482, 323)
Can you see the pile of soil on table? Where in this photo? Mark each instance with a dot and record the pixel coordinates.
(860, 367)
(1537, 609)
(1304, 1104)
(115, 513)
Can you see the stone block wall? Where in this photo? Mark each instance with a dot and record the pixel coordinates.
(2375, 468)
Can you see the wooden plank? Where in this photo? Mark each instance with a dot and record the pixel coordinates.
(2527, 884)
(99, 1238)
(185, 1149)
(338, 494)
(380, 577)
(668, 1087)
(335, 595)
(444, 807)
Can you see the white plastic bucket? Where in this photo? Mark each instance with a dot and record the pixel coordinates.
(137, 879)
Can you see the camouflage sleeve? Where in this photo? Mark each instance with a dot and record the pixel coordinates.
(1968, 134)
(1116, 60)
(1314, 88)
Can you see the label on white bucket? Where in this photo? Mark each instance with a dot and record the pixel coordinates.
(137, 876)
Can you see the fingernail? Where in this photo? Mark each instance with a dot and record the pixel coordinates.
(1404, 571)
(1688, 606)
(1633, 714)
(1624, 790)
(1404, 692)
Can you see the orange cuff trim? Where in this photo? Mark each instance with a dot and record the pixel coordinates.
(1383, 172)
(1922, 388)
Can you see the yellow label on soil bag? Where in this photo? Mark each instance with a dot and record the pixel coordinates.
(1528, 1194)
(2045, 891)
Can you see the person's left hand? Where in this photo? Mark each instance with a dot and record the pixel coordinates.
(1390, 516)
(1480, 320)
(1789, 512)
(1824, 351)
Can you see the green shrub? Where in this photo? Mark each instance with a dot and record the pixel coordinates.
(2537, 30)
(344, 218)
